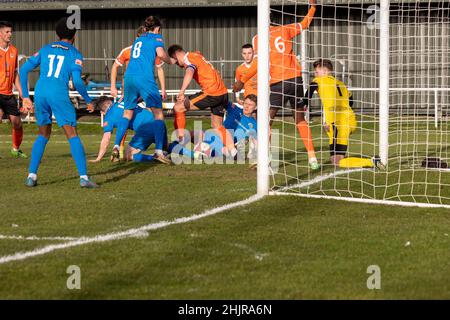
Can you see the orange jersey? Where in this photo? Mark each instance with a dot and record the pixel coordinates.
(124, 57)
(206, 76)
(250, 86)
(8, 69)
(283, 61)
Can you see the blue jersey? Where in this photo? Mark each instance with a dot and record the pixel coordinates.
(59, 61)
(115, 113)
(233, 116)
(143, 55)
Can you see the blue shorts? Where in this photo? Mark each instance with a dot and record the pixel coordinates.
(136, 88)
(59, 105)
(142, 141)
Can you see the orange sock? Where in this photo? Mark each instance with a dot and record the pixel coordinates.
(227, 140)
(180, 120)
(306, 135)
(17, 136)
(180, 123)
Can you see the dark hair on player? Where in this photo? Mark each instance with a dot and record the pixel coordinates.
(152, 22)
(63, 31)
(325, 63)
(252, 97)
(100, 102)
(140, 31)
(174, 49)
(5, 24)
(247, 46)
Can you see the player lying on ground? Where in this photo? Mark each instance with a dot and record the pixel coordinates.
(58, 61)
(148, 132)
(9, 76)
(339, 120)
(250, 86)
(286, 83)
(113, 112)
(214, 94)
(140, 79)
(122, 61)
(241, 123)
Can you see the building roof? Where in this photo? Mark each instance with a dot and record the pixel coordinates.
(116, 4)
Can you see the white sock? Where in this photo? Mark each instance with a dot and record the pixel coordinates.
(33, 176)
(116, 146)
(159, 152)
(312, 160)
(84, 177)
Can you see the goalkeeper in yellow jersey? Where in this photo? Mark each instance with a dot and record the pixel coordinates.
(339, 120)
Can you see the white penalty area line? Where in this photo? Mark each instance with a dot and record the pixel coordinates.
(124, 234)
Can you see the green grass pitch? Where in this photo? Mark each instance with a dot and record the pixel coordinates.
(282, 247)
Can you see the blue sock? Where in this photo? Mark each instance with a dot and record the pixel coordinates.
(122, 128)
(160, 134)
(140, 157)
(77, 149)
(36, 153)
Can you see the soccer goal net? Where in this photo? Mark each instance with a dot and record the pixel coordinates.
(377, 77)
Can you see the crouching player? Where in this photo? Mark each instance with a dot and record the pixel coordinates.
(113, 113)
(339, 119)
(146, 134)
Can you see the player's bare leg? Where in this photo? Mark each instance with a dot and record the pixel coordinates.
(158, 113)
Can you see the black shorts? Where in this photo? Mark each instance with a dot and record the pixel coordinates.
(9, 105)
(218, 104)
(290, 90)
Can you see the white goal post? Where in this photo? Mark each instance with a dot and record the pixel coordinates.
(393, 56)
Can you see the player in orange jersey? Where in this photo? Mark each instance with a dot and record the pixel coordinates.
(286, 83)
(214, 94)
(9, 76)
(250, 86)
(122, 61)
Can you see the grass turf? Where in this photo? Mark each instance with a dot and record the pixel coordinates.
(280, 247)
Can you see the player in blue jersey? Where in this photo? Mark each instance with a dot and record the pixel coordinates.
(140, 79)
(113, 112)
(58, 61)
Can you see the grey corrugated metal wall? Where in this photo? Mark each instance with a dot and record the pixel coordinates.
(217, 32)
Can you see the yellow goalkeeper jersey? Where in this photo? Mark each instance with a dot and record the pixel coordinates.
(336, 99)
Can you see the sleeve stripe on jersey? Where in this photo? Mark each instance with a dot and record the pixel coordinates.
(118, 62)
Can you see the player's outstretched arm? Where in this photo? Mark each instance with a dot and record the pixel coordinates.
(162, 81)
(162, 54)
(79, 86)
(29, 66)
(310, 16)
(114, 71)
(103, 147)
(188, 76)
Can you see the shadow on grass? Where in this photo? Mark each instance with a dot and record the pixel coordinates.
(128, 169)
